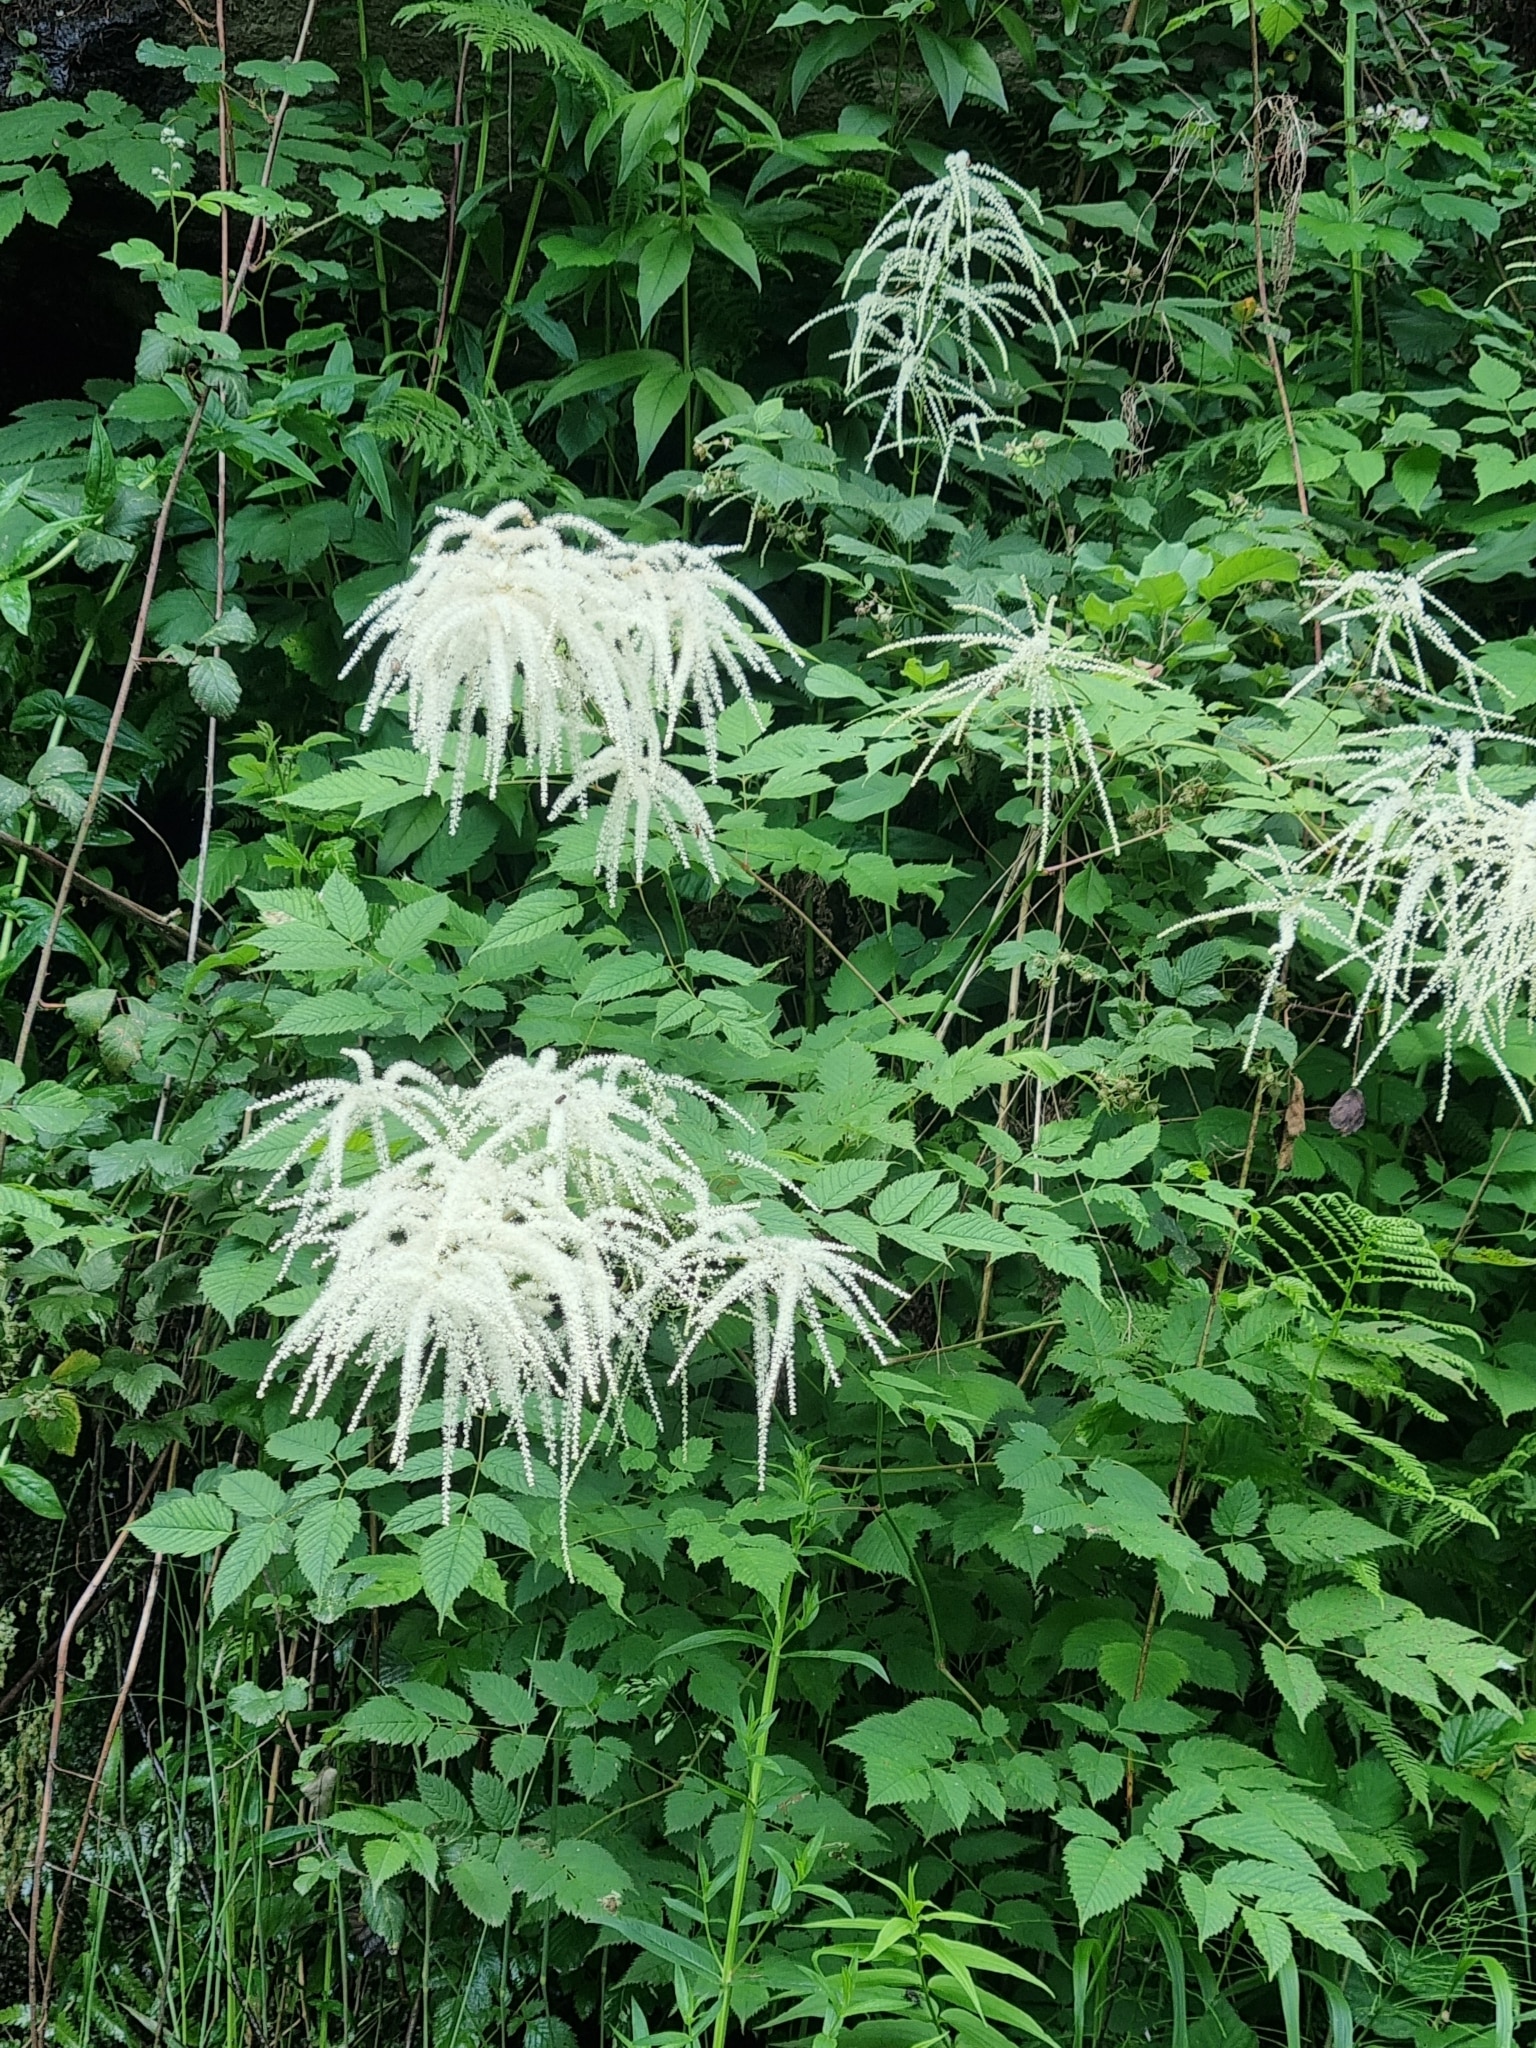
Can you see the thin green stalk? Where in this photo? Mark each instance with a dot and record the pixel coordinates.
(757, 1750)
(55, 734)
(520, 260)
(379, 271)
(455, 196)
(896, 85)
(482, 158)
(688, 424)
(687, 309)
(1352, 185)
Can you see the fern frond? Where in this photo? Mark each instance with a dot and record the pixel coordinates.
(493, 26)
(484, 448)
(1341, 1249)
(1403, 1762)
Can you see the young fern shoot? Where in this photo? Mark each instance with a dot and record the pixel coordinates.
(519, 1241)
(956, 274)
(595, 649)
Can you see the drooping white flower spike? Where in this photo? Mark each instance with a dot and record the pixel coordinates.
(729, 1262)
(474, 1267)
(591, 647)
(1285, 891)
(1430, 888)
(343, 1112)
(1455, 873)
(1403, 623)
(521, 1242)
(604, 1126)
(644, 789)
(1038, 675)
(956, 272)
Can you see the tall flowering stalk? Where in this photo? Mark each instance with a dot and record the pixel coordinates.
(592, 648)
(518, 1241)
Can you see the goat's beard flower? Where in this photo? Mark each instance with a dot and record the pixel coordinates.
(1430, 888)
(595, 648)
(956, 273)
(523, 1238)
(1403, 624)
(1038, 675)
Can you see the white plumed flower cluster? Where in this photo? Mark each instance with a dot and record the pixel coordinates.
(1389, 624)
(1430, 888)
(956, 271)
(519, 1240)
(1039, 676)
(593, 647)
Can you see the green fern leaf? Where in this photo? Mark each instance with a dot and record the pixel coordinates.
(492, 26)
(1342, 1250)
(1406, 1766)
(483, 448)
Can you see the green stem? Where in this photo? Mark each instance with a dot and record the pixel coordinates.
(682, 208)
(56, 733)
(58, 556)
(482, 157)
(1352, 184)
(378, 240)
(455, 200)
(757, 1750)
(519, 262)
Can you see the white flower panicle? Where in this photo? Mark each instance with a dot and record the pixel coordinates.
(1038, 674)
(1402, 624)
(592, 648)
(730, 1262)
(521, 1239)
(956, 274)
(1430, 888)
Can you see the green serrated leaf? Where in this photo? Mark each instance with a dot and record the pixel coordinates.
(243, 1563)
(481, 1887)
(323, 1535)
(185, 1524)
(1105, 1876)
(449, 1560)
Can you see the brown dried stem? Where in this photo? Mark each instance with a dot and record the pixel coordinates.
(93, 1791)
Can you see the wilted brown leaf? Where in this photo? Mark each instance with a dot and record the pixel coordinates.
(1292, 1124)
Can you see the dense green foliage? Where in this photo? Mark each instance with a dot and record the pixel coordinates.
(1138, 1650)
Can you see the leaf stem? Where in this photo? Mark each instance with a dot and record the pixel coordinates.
(1352, 185)
(757, 1733)
(520, 261)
